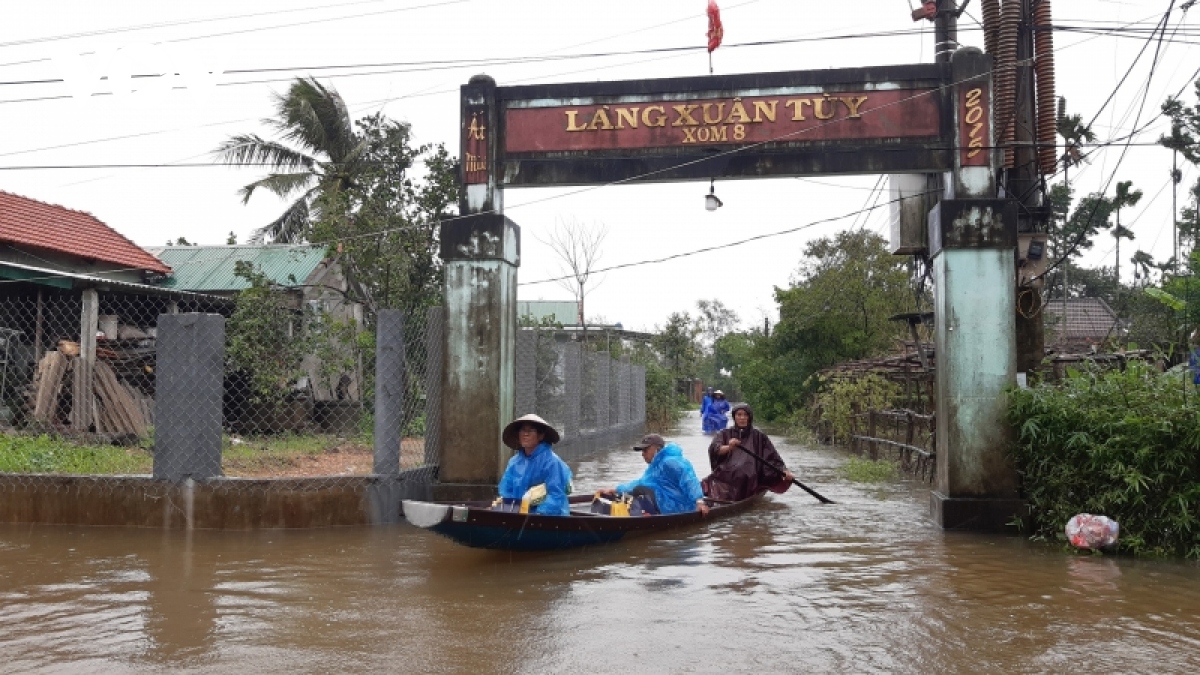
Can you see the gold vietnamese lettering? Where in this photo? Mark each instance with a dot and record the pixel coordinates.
(720, 112)
(797, 105)
(685, 116)
(819, 106)
(737, 113)
(600, 119)
(762, 110)
(475, 131)
(853, 103)
(659, 120)
(475, 163)
(571, 124)
(625, 115)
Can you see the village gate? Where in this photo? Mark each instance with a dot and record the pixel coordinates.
(934, 119)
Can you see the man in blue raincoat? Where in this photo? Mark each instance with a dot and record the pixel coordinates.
(670, 475)
(535, 467)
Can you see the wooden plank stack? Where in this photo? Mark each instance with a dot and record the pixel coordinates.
(118, 407)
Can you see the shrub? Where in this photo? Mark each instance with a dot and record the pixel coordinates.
(841, 398)
(1125, 444)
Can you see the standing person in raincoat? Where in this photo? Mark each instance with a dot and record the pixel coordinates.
(704, 404)
(670, 476)
(535, 467)
(735, 474)
(715, 419)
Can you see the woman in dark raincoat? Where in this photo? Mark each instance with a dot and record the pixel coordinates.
(735, 474)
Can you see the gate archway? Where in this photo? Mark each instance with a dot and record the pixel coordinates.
(922, 118)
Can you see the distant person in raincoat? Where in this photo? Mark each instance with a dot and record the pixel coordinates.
(670, 477)
(535, 464)
(735, 474)
(715, 419)
(704, 404)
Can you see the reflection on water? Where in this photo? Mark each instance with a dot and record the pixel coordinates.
(867, 585)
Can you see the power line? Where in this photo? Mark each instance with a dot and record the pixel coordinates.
(186, 22)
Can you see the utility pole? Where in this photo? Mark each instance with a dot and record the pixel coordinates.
(1022, 183)
(945, 31)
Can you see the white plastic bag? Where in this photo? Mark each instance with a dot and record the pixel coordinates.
(1087, 531)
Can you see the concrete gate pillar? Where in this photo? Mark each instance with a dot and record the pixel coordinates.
(972, 240)
(481, 251)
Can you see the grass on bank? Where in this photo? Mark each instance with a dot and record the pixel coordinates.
(860, 470)
(47, 454)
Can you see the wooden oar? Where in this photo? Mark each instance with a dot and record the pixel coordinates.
(802, 486)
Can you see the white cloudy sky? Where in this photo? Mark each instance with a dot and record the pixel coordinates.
(60, 127)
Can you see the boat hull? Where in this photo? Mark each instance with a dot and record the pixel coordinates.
(474, 524)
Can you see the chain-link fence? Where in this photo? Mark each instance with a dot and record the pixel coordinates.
(100, 383)
(309, 395)
(592, 399)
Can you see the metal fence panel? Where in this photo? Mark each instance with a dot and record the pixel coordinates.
(316, 393)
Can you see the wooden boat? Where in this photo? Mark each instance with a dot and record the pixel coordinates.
(475, 524)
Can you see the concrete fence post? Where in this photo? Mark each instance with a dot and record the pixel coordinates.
(189, 391)
(389, 391)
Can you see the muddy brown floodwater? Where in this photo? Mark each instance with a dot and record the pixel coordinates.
(868, 585)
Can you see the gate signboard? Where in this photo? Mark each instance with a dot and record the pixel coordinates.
(892, 119)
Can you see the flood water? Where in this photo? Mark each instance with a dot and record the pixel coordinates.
(868, 585)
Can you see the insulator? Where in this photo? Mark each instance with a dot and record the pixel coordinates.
(991, 25)
(1004, 75)
(1043, 50)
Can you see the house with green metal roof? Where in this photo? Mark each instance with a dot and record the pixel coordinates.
(306, 276)
(212, 268)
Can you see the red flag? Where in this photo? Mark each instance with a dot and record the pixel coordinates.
(715, 30)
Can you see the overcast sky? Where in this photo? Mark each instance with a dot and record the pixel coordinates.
(66, 125)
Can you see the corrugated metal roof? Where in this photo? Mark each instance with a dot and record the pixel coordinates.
(564, 312)
(62, 279)
(211, 268)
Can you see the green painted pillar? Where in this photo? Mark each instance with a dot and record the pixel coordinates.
(972, 241)
(480, 250)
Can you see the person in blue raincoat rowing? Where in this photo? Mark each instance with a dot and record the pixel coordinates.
(535, 474)
(670, 478)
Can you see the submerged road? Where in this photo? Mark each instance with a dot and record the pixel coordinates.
(868, 585)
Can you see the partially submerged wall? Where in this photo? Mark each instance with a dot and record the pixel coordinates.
(214, 503)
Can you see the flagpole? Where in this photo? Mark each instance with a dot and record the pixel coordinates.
(710, 70)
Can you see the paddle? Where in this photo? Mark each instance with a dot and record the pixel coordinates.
(802, 486)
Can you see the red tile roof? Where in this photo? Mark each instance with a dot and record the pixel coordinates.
(28, 222)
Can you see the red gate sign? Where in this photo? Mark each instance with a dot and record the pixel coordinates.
(785, 119)
(475, 146)
(974, 130)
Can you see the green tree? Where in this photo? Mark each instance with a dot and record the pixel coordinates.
(1074, 134)
(1126, 196)
(1185, 127)
(266, 340)
(385, 226)
(835, 310)
(1078, 233)
(677, 344)
(319, 155)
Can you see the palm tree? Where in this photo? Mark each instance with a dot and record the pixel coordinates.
(1124, 197)
(1074, 133)
(1142, 263)
(319, 155)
